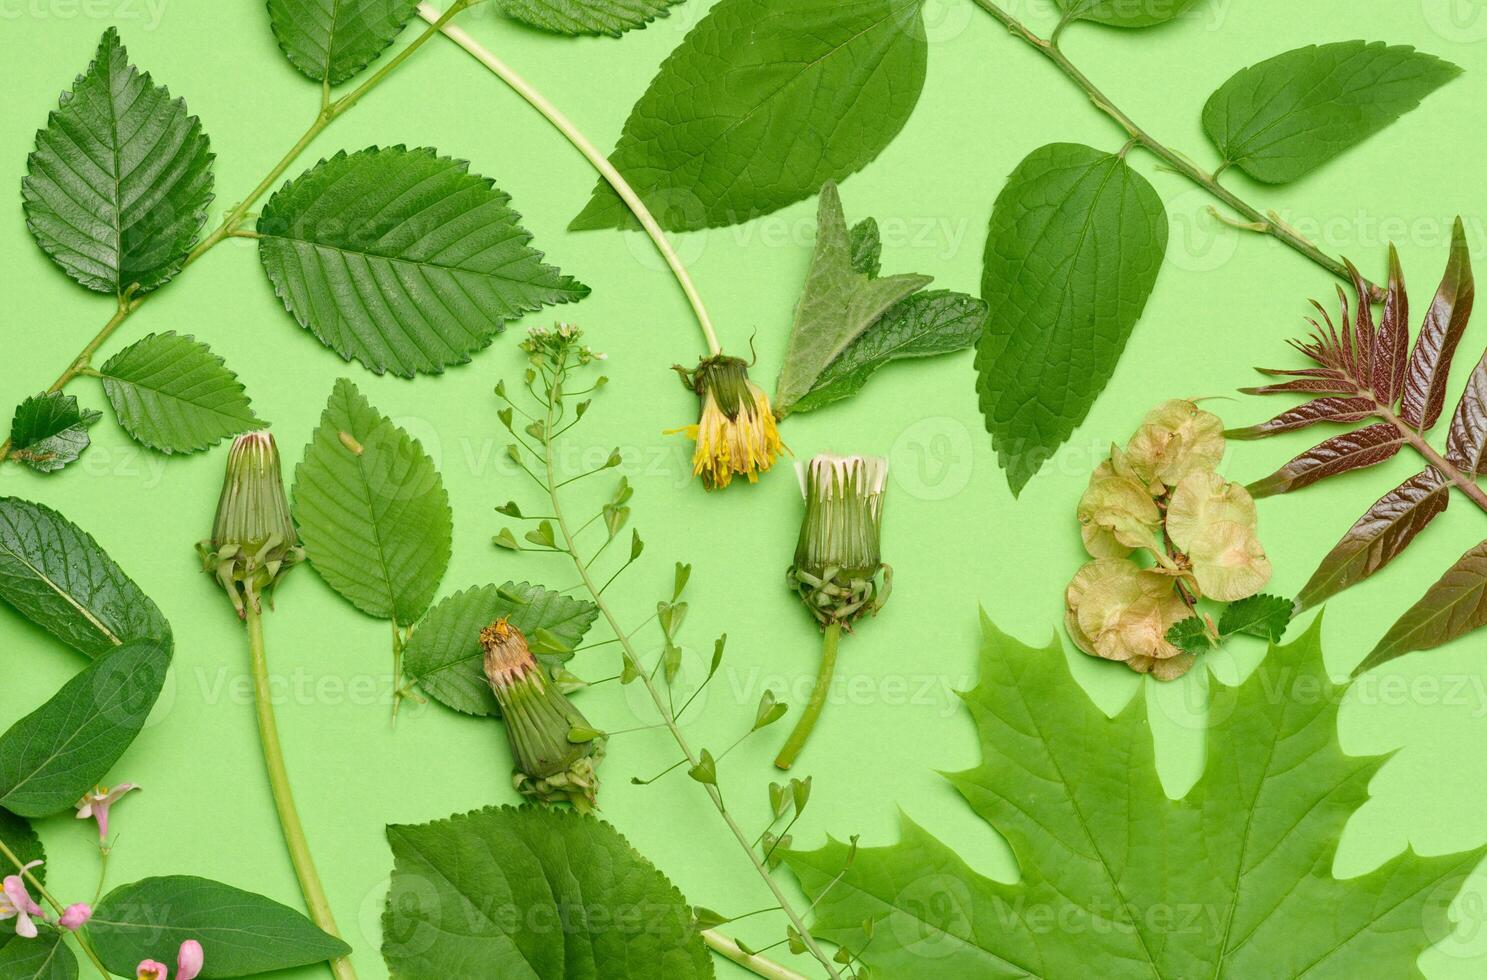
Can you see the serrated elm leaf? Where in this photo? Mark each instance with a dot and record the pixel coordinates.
(1429, 366)
(171, 393)
(1367, 446)
(578, 17)
(1378, 537)
(402, 259)
(762, 103)
(1123, 13)
(48, 431)
(332, 40)
(372, 511)
(1285, 117)
(1190, 634)
(120, 180)
(1466, 442)
(1076, 240)
(1076, 796)
(1452, 607)
(1265, 616)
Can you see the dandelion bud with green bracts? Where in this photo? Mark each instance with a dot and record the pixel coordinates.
(838, 572)
(735, 431)
(550, 766)
(253, 539)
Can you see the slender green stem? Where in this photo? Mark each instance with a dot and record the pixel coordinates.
(571, 544)
(329, 111)
(757, 965)
(1265, 223)
(57, 907)
(278, 777)
(596, 159)
(830, 637)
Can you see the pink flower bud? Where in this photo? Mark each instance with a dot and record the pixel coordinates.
(74, 916)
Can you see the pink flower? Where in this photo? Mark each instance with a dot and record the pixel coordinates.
(16, 903)
(151, 970)
(96, 804)
(188, 964)
(74, 916)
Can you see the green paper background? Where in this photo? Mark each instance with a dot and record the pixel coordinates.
(1225, 301)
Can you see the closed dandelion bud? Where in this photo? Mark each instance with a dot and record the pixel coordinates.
(253, 539)
(837, 561)
(550, 766)
(735, 431)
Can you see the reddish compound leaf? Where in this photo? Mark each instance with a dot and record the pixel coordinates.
(1453, 607)
(1318, 383)
(1379, 536)
(1317, 410)
(1466, 445)
(1350, 451)
(1393, 337)
(1445, 322)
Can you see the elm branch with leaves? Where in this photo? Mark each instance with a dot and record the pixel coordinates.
(1366, 372)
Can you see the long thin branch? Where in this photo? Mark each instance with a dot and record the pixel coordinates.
(1267, 224)
(596, 159)
(596, 594)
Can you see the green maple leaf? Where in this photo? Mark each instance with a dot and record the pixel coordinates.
(1235, 880)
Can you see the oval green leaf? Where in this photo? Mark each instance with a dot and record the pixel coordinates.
(576, 17)
(331, 40)
(49, 431)
(171, 393)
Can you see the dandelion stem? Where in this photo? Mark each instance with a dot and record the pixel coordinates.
(830, 637)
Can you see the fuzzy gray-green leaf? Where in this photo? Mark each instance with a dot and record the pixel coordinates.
(171, 393)
(577, 17)
(1285, 117)
(331, 40)
(49, 431)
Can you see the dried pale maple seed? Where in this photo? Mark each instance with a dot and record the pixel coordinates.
(1118, 611)
(1228, 561)
(1176, 439)
(1116, 515)
(1201, 500)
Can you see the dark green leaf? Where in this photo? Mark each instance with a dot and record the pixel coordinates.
(49, 431)
(1076, 240)
(923, 325)
(173, 394)
(46, 957)
(403, 260)
(1452, 607)
(513, 879)
(22, 840)
(762, 103)
(1265, 616)
(334, 39)
(1283, 118)
(58, 752)
(444, 656)
(837, 305)
(375, 520)
(56, 575)
(1125, 13)
(866, 247)
(240, 933)
(1190, 634)
(120, 180)
(575, 17)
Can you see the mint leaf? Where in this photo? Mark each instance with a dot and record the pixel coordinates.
(56, 575)
(171, 393)
(49, 431)
(1076, 240)
(54, 755)
(923, 325)
(46, 957)
(444, 656)
(762, 103)
(1265, 616)
(403, 260)
(331, 40)
(538, 866)
(836, 306)
(240, 933)
(1190, 634)
(575, 17)
(372, 512)
(1125, 13)
(1285, 117)
(1245, 860)
(118, 185)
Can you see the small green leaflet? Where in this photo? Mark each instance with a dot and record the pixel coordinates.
(331, 40)
(171, 393)
(444, 657)
(56, 575)
(573, 17)
(54, 755)
(120, 180)
(240, 933)
(506, 874)
(1265, 616)
(49, 431)
(402, 259)
(372, 511)
(46, 957)
(1250, 849)
(836, 306)
(1190, 634)
(1076, 240)
(1125, 13)
(1285, 117)
(762, 103)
